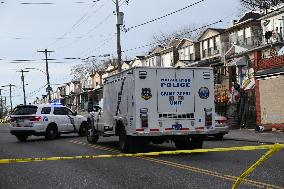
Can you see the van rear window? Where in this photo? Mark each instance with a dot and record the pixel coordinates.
(24, 110)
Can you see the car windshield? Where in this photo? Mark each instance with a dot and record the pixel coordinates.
(24, 110)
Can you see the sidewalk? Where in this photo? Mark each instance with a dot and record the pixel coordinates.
(255, 136)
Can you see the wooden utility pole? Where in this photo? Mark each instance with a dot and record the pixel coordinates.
(48, 89)
(23, 82)
(119, 22)
(1, 105)
(10, 85)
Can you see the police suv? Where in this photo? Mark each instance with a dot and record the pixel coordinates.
(45, 120)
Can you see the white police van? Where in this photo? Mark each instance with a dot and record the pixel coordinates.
(45, 120)
(146, 104)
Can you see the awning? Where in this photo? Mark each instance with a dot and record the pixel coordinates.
(241, 61)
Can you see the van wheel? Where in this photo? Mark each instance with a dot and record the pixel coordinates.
(51, 132)
(83, 129)
(219, 137)
(92, 136)
(22, 138)
(182, 144)
(189, 144)
(196, 143)
(125, 142)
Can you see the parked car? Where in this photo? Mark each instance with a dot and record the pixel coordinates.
(46, 120)
(221, 127)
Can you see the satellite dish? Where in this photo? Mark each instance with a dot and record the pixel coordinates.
(266, 22)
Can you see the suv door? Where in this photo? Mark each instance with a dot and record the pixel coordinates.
(61, 118)
(73, 121)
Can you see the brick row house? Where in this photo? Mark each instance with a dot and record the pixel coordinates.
(246, 62)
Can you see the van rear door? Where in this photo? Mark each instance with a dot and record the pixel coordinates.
(176, 91)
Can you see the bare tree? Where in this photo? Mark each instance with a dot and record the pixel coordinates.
(87, 66)
(189, 32)
(259, 4)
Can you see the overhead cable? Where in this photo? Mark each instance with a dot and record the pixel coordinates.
(161, 17)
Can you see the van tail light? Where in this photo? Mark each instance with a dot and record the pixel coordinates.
(144, 117)
(35, 118)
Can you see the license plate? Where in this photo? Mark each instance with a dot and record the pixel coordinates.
(177, 126)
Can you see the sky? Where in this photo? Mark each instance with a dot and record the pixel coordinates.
(83, 28)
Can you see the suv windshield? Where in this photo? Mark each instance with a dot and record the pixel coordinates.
(24, 110)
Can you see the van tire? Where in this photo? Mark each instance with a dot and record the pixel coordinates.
(125, 142)
(182, 144)
(197, 142)
(51, 132)
(189, 143)
(219, 137)
(22, 138)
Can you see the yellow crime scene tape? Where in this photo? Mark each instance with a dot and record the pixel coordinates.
(275, 148)
(272, 149)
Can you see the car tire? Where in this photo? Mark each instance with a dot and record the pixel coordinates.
(51, 132)
(92, 135)
(83, 129)
(22, 138)
(219, 137)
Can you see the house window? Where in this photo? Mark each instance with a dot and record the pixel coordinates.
(248, 39)
(204, 50)
(211, 47)
(191, 52)
(233, 38)
(240, 39)
(186, 53)
(216, 45)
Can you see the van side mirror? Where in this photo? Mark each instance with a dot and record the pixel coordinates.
(75, 113)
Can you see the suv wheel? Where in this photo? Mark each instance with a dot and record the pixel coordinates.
(92, 136)
(51, 132)
(22, 138)
(83, 129)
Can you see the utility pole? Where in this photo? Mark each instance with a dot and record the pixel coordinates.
(10, 85)
(119, 22)
(48, 89)
(23, 82)
(1, 100)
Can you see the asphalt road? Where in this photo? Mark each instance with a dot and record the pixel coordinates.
(202, 170)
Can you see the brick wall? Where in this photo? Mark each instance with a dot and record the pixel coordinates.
(273, 62)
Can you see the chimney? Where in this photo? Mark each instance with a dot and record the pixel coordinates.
(234, 22)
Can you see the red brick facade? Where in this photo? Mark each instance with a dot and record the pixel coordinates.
(273, 62)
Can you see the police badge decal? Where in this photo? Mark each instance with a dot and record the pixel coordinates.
(146, 93)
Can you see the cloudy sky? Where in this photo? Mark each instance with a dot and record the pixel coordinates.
(82, 28)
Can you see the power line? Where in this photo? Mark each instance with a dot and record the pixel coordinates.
(85, 35)
(154, 43)
(74, 26)
(161, 17)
